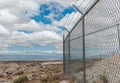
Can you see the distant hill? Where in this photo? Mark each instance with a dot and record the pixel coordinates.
(30, 57)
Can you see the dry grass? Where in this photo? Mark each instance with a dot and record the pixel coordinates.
(21, 79)
(104, 78)
(53, 79)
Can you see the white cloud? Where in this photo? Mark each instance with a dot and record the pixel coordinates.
(31, 6)
(8, 3)
(3, 31)
(14, 16)
(7, 17)
(45, 38)
(34, 26)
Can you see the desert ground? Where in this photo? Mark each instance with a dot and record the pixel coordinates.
(33, 72)
(106, 70)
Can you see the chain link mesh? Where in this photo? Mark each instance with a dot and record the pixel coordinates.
(102, 45)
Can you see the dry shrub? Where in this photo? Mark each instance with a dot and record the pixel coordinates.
(104, 78)
(21, 79)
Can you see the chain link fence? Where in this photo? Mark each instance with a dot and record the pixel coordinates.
(92, 48)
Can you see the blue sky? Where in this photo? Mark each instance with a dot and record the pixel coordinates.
(47, 9)
(34, 27)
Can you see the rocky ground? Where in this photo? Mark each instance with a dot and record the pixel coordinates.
(106, 70)
(35, 72)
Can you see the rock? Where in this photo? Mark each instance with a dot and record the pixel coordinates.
(64, 81)
(43, 66)
(19, 73)
(2, 76)
(9, 72)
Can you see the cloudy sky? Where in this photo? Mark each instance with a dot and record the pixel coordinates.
(34, 26)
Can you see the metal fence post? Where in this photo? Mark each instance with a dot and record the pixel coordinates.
(66, 70)
(84, 62)
(69, 57)
(64, 55)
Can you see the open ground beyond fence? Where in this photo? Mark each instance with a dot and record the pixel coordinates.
(92, 48)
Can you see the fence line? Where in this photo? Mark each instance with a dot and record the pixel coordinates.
(91, 49)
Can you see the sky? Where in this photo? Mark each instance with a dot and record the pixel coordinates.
(34, 27)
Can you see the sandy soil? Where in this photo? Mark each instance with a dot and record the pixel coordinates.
(36, 72)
